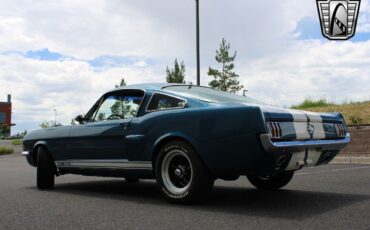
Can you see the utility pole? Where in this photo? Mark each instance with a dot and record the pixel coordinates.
(198, 45)
(55, 121)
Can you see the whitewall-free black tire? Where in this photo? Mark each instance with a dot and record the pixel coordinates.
(45, 169)
(180, 173)
(272, 182)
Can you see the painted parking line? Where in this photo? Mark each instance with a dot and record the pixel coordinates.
(333, 170)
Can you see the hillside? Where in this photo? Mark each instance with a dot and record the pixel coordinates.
(355, 113)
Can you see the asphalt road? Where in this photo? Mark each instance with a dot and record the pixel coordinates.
(335, 196)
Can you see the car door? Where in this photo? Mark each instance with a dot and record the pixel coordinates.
(102, 138)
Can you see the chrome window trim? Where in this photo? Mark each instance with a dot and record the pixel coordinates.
(168, 95)
(119, 90)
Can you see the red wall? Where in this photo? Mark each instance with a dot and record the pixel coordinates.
(7, 108)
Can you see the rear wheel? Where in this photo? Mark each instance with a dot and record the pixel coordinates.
(45, 169)
(272, 182)
(180, 173)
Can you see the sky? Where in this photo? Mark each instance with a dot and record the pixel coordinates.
(63, 55)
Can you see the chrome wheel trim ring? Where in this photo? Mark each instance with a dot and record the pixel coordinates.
(165, 171)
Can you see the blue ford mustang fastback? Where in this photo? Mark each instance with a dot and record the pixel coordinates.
(185, 137)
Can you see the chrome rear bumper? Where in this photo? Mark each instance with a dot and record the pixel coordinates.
(298, 146)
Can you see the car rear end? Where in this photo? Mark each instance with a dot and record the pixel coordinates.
(299, 138)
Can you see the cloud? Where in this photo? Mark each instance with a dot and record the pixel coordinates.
(364, 18)
(63, 55)
(308, 28)
(70, 86)
(337, 71)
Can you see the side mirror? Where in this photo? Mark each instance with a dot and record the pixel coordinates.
(79, 119)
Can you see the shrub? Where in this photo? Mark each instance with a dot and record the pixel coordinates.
(356, 120)
(4, 151)
(16, 142)
(308, 103)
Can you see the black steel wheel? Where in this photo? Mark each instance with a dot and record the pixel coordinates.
(271, 182)
(46, 169)
(180, 173)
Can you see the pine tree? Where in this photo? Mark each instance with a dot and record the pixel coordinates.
(177, 74)
(226, 79)
(123, 83)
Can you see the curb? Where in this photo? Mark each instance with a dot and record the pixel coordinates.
(352, 160)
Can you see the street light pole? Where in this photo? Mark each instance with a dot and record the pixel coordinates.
(198, 45)
(55, 122)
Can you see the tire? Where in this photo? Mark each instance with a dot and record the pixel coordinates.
(272, 182)
(180, 174)
(45, 170)
(131, 180)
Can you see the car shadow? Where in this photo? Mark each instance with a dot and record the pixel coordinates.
(286, 204)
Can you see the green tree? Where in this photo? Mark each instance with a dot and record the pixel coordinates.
(177, 74)
(225, 79)
(24, 133)
(44, 125)
(121, 107)
(123, 83)
(5, 130)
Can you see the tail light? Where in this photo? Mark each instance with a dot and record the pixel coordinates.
(341, 131)
(274, 129)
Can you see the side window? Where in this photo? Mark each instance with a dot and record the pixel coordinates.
(118, 106)
(161, 102)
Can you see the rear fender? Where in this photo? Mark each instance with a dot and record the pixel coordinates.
(173, 135)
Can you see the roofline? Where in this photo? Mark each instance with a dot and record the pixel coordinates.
(189, 85)
(153, 86)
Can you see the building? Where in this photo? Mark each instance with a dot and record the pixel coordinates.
(5, 114)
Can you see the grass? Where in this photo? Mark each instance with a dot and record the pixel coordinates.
(4, 151)
(308, 103)
(355, 113)
(16, 142)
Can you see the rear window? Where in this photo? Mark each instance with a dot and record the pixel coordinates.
(162, 102)
(208, 94)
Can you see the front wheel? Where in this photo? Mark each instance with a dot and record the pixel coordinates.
(45, 169)
(272, 182)
(180, 173)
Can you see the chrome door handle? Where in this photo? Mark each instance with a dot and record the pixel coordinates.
(125, 126)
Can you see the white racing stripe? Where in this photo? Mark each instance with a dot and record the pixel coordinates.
(298, 159)
(301, 130)
(316, 121)
(301, 126)
(300, 122)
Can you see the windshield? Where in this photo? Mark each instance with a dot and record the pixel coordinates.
(208, 94)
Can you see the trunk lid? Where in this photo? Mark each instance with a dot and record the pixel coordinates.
(291, 124)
